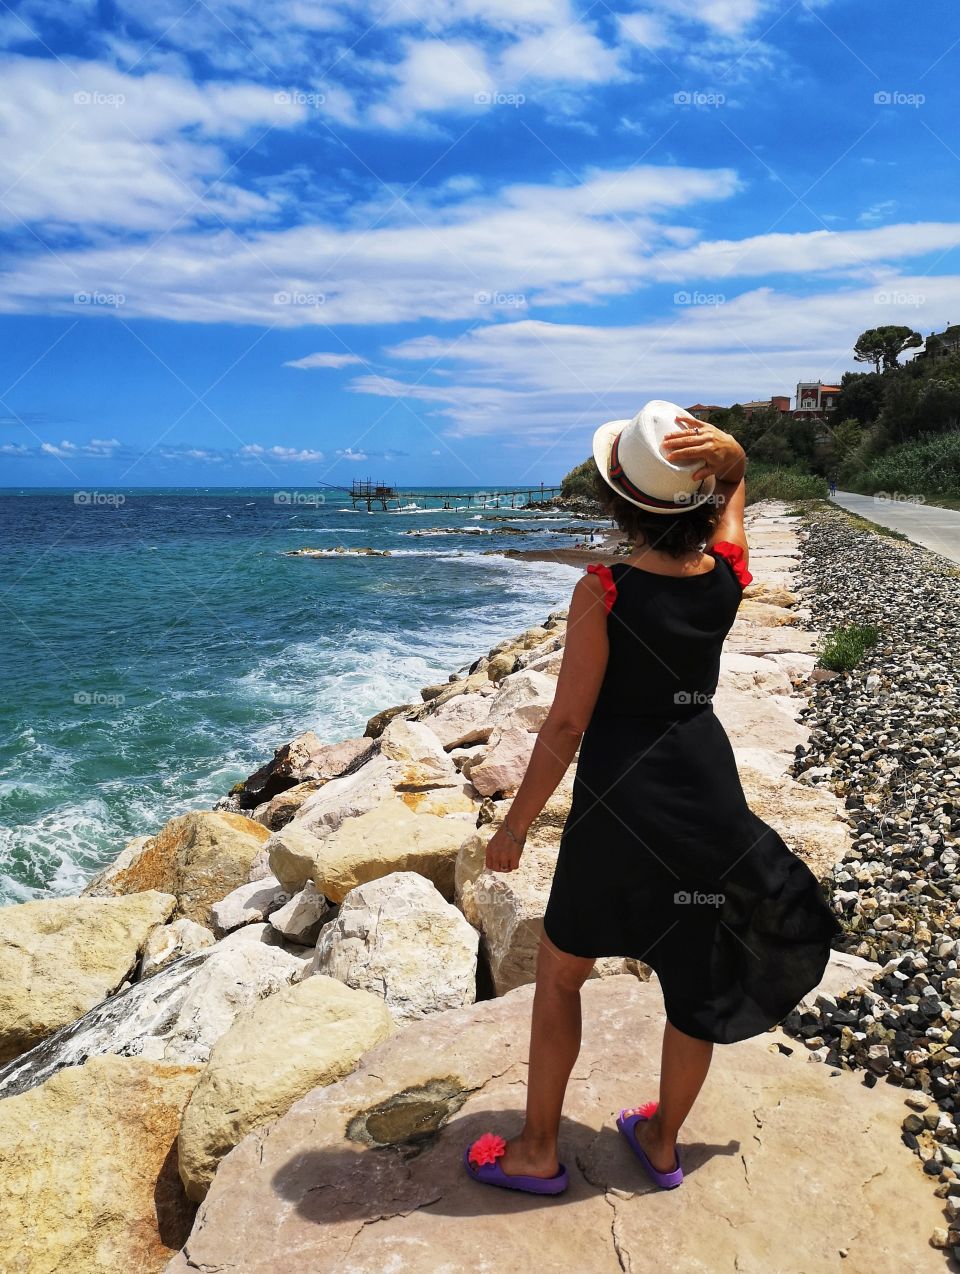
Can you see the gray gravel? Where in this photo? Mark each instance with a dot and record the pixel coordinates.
(886, 738)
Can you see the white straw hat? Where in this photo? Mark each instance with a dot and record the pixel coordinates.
(628, 455)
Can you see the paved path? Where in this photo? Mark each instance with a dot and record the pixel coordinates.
(935, 528)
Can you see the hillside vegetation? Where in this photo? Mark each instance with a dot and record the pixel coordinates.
(895, 429)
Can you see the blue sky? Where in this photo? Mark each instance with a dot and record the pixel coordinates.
(437, 241)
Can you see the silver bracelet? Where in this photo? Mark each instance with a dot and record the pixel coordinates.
(513, 835)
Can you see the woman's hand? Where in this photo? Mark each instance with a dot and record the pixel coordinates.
(504, 849)
(718, 453)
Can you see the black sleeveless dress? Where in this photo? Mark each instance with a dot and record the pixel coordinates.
(660, 857)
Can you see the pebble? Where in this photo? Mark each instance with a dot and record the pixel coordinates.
(885, 737)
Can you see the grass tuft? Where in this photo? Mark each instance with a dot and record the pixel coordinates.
(843, 649)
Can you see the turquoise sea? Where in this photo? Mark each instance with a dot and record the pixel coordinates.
(159, 645)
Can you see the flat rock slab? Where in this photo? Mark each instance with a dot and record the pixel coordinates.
(751, 639)
(787, 1164)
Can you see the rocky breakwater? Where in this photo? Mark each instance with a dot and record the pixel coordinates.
(334, 906)
(885, 737)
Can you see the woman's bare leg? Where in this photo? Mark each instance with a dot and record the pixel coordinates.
(554, 1044)
(684, 1063)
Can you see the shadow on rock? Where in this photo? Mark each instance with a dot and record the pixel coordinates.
(425, 1170)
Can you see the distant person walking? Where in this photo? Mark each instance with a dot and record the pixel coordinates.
(660, 859)
(833, 486)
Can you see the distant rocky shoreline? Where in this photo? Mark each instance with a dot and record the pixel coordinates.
(251, 980)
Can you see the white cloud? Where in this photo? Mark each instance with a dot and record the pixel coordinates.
(311, 361)
(729, 17)
(648, 29)
(394, 66)
(483, 257)
(95, 447)
(566, 55)
(285, 455)
(388, 387)
(878, 211)
(85, 145)
(433, 76)
(535, 380)
(350, 454)
(858, 251)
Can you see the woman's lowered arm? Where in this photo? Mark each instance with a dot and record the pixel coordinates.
(581, 673)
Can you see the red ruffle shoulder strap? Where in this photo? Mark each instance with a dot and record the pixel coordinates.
(605, 576)
(733, 553)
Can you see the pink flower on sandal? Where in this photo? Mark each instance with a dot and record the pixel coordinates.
(646, 1111)
(487, 1149)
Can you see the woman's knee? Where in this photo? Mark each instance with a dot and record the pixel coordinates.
(559, 970)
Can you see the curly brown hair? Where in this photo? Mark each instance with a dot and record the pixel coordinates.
(677, 534)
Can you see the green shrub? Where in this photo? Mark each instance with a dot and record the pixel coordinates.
(768, 482)
(843, 649)
(579, 481)
(930, 465)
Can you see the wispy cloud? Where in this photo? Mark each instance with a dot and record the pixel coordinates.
(312, 361)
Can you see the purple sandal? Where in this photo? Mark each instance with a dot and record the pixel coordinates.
(480, 1160)
(627, 1121)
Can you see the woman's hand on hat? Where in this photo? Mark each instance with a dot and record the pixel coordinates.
(719, 453)
(504, 849)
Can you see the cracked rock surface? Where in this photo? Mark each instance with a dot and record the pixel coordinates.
(788, 1164)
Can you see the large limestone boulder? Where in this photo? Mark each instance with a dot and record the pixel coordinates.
(366, 1174)
(175, 1016)
(292, 854)
(506, 907)
(523, 700)
(60, 956)
(461, 721)
(200, 857)
(172, 942)
(411, 764)
(499, 769)
(232, 979)
(89, 1172)
(304, 1036)
(549, 663)
(248, 904)
(389, 838)
(416, 747)
(347, 797)
(302, 918)
(280, 809)
(305, 758)
(471, 684)
(551, 645)
(398, 937)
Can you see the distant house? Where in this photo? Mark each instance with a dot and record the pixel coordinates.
(940, 344)
(815, 399)
(779, 402)
(704, 411)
